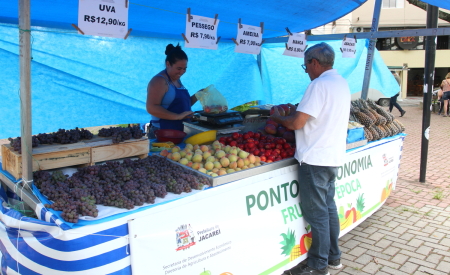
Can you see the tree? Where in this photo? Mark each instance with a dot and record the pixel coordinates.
(442, 15)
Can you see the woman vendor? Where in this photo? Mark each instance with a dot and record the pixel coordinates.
(168, 101)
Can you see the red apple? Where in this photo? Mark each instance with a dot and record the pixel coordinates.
(256, 135)
(235, 136)
(263, 158)
(270, 121)
(281, 130)
(289, 136)
(270, 129)
(286, 109)
(233, 143)
(279, 109)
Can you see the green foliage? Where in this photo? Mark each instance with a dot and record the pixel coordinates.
(245, 107)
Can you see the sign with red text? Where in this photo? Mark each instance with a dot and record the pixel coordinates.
(348, 48)
(103, 17)
(248, 40)
(296, 45)
(201, 32)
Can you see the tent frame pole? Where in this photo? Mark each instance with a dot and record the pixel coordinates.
(430, 56)
(25, 89)
(371, 50)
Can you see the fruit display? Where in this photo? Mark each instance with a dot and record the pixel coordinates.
(269, 148)
(62, 136)
(275, 129)
(120, 134)
(120, 184)
(378, 123)
(215, 160)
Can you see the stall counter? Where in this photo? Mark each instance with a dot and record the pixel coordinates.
(250, 226)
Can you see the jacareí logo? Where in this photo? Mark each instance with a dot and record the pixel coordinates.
(185, 237)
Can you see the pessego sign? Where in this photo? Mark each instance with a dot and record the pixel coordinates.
(407, 42)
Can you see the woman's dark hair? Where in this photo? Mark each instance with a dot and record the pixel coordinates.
(173, 54)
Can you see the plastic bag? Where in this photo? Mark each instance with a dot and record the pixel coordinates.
(213, 102)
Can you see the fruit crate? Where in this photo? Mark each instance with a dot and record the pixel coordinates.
(247, 173)
(86, 152)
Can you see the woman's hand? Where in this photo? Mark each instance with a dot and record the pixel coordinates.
(185, 115)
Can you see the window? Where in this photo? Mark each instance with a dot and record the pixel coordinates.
(391, 4)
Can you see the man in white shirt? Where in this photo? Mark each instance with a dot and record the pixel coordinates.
(320, 124)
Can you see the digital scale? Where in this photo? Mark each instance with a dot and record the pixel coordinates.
(218, 120)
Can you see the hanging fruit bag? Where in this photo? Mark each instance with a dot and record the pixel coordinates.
(213, 102)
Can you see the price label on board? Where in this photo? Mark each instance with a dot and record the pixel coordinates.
(201, 32)
(296, 45)
(348, 48)
(103, 17)
(249, 39)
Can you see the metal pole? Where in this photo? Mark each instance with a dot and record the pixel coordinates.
(371, 49)
(25, 88)
(430, 56)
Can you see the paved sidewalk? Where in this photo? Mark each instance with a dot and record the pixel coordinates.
(410, 234)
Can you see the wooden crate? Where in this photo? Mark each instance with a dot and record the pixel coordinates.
(88, 152)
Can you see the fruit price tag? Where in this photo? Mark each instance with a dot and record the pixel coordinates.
(201, 32)
(103, 18)
(348, 48)
(248, 39)
(296, 45)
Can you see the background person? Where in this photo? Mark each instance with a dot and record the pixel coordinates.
(168, 101)
(445, 86)
(320, 124)
(393, 100)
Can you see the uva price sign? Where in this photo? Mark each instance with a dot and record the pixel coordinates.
(103, 18)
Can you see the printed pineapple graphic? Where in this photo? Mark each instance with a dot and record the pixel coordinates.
(296, 250)
(359, 206)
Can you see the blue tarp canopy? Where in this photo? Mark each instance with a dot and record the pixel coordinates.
(82, 81)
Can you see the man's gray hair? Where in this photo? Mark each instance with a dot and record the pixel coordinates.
(323, 52)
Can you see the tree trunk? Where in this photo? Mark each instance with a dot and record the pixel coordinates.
(442, 15)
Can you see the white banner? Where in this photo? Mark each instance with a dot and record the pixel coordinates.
(103, 17)
(201, 32)
(249, 39)
(348, 47)
(255, 225)
(296, 45)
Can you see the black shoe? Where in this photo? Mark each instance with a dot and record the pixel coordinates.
(402, 113)
(306, 270)
(336, 264)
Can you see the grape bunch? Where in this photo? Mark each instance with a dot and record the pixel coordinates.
(62, 136)
(123, 184)
(16, 143)
(120, 134)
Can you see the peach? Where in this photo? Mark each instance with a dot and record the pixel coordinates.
(216, 145)
(251, 158)
(233, 158)
(169, 155)
(220, 154)
(229, 171)
(176, 149)
(222, 172)
(203, 170)
(206, 155)
(197, 165)
(183, 153)
(197, 158)
(189, 155)
(176, 156)
(217, 164)
(204, 148)
(189, 147)
(233, 165)
(225, 162)
(240, 163)
(195, 147)
(164, 153)
(214, 175)
(211, 159)
(209, 165)
(184, 161)
(243, 154)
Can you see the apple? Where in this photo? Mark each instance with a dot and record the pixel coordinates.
(280, 131)
(270, 121)
(289, 136)
(278, 108)
(305, 241)
(270, 129)
(235, 135)
(286, 109)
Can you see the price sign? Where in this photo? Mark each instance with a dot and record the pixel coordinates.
(348, 48)
(296, 45)
(103, 17)
(201, 32)
(249, 39)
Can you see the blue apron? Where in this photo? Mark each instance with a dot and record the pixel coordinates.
(181, 103)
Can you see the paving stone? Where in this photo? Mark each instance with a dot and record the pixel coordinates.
(351, 244)
(371, 247)
(415, 242)
(383, 243)
(407, 236)
(357, 251)
(393, 271)
(424, 250)
(364, 259)
(434, 258)
(372, 268)
(400, 259)
(409, 267)
(400, 230)
(376, 236)
(431, 271)
(422, 263)
(392, 251)
(444, 266)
